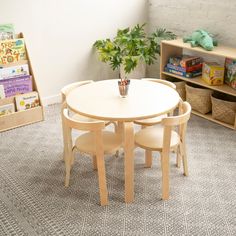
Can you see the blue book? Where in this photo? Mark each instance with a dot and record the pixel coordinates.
(196, 67)
(184, 74)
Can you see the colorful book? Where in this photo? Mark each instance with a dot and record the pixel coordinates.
(7, 109)
(7, 32)
(17, 85)
(27, 101)
(13, 71)
(184, 74)
(12, 51)
(213, 73)
(185, 69)
(230, 72)
(185, 61)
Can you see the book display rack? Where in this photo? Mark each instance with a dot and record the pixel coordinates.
(20, 102)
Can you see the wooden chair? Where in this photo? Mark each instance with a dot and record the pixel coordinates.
(95, 142)
(64, 92)
(164, 139)
(155, 120)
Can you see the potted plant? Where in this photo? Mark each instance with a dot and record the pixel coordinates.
(130, 47)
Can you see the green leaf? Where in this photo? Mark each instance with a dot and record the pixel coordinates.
(130, 46)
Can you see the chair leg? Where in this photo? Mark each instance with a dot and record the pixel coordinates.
(102, 180)
(148, 158)
(68, 158)
(117, 153)
(64, 140)
(178, 157)
(73, 156)
(184, 158)
(95, 167)
(165, 176)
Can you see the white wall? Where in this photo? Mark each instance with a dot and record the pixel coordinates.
(185, 16)
(60, 34)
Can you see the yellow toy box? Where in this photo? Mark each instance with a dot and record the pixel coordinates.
(213, 73)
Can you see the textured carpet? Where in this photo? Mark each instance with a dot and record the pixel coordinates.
(33, 200)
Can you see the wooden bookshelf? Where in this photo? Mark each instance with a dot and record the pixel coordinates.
(176, 47)
(20, 118)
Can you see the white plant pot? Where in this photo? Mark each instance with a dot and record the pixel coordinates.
(138, 73)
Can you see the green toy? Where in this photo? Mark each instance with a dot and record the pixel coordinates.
(201, 38)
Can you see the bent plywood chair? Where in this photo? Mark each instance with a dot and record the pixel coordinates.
(164, 139)
(64, 92)
(94, 141)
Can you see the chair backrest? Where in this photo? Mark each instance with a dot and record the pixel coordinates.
(179, 120)
(161, 81)
(184, 110)
(68, 124)
(66, 89)
(81, 125)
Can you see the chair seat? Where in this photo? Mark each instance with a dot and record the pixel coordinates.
(151, 121)
(86, 143)
(85, 118)
(152, 138)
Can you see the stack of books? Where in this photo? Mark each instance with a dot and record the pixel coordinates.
(185, 65)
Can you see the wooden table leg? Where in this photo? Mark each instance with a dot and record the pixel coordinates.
(120, 129)
(129, 161)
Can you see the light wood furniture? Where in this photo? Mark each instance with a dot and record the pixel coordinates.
(164, 139)
(101, 100)
(155, 120)
(94, 142)
(26, 117)
(177, 47)
(64, 92)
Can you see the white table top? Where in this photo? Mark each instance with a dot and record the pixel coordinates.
(101, 100)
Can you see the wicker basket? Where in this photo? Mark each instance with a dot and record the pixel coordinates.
(223, 108)
(199, 98)
(180, 87)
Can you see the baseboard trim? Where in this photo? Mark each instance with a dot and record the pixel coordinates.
(46, 101)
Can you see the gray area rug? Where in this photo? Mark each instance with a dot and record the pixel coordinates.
(34, 201)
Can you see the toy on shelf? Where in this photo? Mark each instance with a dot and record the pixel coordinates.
(230, 72)
(185, 65)
(201, 38)
(213, 73)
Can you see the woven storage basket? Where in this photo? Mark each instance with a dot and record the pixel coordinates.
(223, 108)
(180, 87)
(199, 98)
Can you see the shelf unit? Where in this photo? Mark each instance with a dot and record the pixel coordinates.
(177, 47)
(20, 118)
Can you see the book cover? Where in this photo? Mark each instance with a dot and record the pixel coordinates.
(7, 109)
(17, 85)
(213, 73)
(7, 31)
(12, 51)
(184, 74)
(27, 101)
(185, 61)
(13, 71)
(230, 72)
(185, 69)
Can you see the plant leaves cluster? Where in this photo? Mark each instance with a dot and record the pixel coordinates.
(130, 46)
